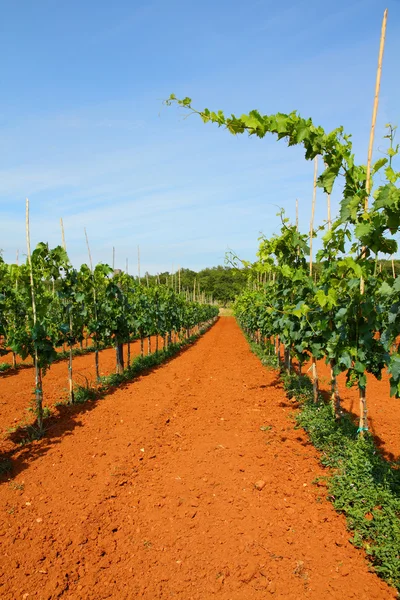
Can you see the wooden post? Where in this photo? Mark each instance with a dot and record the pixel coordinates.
(328, 203)
(14, 355)
(314, 362)
(315, 379)
(96, 345)
(38, 371)
(297, 214)
(179, 280)
(363, 423)
(375, 108)
(70, 379)
(63, 235)
(138, 262)
(335, 398)
(113, 262)
(393, 269)
(313, 211)
(126, 268)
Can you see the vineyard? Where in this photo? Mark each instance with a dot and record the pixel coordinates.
(157, 445)
(47, 305)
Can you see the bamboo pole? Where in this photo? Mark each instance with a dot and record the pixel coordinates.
(63, 234)
(313, 211)
(328, 205)
(96, 345)
(314, 362)
(363, 423)
(375, 108)
(70, 371)
(14, 355)
(38, 371)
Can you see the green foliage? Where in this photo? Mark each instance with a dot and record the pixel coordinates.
(364, 486)
(348, 315)
(223, 284)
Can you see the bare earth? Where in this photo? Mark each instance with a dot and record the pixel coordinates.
(168, 488)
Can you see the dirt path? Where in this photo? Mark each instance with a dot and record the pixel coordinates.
(151, 495)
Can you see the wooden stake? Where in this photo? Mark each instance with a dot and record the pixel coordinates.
(179, 280)
(297, 214)
(328, 202)
(315, 379)
(17, 263)
(126, 268)
(313, 211)
(363, 423)
(63, 235)
(38, 371)
(393, 269)
(138, 262)
(375, 108)
(96, 346)
(113, 263)
(70, 379)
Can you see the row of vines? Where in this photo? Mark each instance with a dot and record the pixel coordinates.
(46, 305)
(350, 314)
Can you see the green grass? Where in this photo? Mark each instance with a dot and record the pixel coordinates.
(363, 485)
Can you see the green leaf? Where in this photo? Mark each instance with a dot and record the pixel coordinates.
(385, 289)
(394, 367)
(381, 162)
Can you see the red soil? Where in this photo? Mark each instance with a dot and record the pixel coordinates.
(168, 488)
(17, 386)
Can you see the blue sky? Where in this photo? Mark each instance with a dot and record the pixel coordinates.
(84, 135)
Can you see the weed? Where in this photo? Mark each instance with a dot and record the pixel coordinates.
(363, 483)
(364, 486)
(17, 486)
(84, 393)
